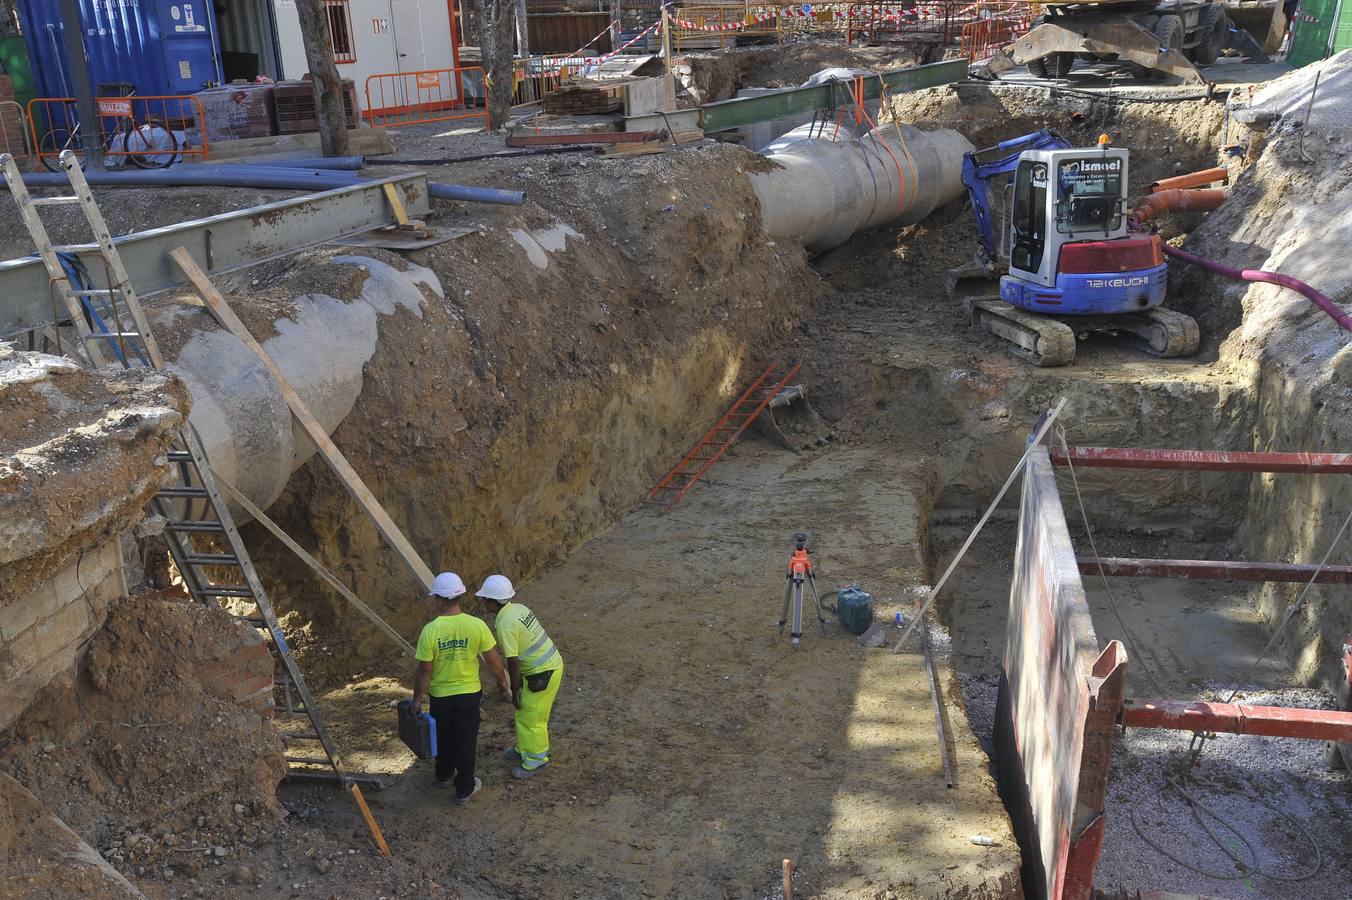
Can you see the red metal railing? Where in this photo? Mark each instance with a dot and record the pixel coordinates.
(152, 131)
(429, 95)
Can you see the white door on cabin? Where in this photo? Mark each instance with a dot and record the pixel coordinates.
(406, 17)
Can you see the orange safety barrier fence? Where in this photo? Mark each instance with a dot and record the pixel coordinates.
(146, 131)
(996, 25)
(429, 95)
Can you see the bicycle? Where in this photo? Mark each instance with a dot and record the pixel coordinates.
(151, 144)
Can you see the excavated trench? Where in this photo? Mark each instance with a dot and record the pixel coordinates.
(518, 389)
(500, 456)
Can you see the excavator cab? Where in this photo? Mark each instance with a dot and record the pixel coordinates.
(1065, 261)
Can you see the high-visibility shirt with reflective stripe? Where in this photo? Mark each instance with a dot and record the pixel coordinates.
(520, 634)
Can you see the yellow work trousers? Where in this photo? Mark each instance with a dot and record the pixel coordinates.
(532, 722)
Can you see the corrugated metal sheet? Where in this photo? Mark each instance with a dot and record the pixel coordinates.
(246, 26)
(565, 32)
(158, 46)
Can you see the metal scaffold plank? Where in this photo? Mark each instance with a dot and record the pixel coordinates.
(219, 243)
(1214, 569)
(1205, 460)
(727, 114)
(1239, 718)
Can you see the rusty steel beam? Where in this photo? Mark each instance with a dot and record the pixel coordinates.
(1205, 460)
(1216, 569)
(1239, 718)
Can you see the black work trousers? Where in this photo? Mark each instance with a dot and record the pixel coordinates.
(457, 718)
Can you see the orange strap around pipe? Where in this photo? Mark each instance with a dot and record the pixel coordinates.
(1192, 180)
(1178, 201)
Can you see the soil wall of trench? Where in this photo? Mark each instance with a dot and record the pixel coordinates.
(543, 395)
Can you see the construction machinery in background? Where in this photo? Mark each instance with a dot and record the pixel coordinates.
(1168, 38)
(1063, 263)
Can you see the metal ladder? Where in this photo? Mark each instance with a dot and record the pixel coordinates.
(193, 509)
(710, 448)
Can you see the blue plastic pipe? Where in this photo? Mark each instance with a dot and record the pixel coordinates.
(346, 163)
(259, 176)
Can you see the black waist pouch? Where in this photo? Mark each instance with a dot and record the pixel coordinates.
(539, 681)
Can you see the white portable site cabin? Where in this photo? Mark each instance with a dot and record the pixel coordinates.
(373, 37)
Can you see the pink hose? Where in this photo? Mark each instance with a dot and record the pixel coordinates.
(1285, 281)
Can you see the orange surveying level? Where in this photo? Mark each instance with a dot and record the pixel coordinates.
(800, 572)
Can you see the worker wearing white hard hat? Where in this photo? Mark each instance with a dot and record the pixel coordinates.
(448, 672)
(536, 669)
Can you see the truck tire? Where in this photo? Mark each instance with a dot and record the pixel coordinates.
(1213, 29)
(1053, 65)
(1169, 31)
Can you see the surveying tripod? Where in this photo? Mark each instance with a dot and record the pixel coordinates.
(800, 571)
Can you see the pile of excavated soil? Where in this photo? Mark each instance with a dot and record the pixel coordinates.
(80, 453)
(1165, 137)
(143, 755)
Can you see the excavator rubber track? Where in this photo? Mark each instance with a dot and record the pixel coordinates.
(1162, 332)
(1041, 340)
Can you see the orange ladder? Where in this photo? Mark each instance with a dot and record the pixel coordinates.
(716, 441)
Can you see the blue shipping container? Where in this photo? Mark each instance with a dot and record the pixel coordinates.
(158, 46)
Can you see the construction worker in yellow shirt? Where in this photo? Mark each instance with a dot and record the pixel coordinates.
(536, 668)
(448, 671)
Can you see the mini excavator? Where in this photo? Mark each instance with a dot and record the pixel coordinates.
(1064, 262)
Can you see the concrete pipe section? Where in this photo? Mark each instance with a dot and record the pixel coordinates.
(321, 346)
(830, 184)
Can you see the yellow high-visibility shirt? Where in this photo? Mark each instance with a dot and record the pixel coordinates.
(452, 645)
(521, 635)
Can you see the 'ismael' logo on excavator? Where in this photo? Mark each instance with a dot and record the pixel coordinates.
(1072, 169)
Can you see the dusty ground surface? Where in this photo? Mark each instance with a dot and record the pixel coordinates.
(689, 762)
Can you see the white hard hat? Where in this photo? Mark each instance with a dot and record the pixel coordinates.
(496, 587)
(448, 585)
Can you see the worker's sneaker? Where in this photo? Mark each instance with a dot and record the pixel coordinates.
(523, 773)
(512, 754)
(461, 801)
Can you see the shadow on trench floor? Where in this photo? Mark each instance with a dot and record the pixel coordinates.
(1280, 816)
(693, 747)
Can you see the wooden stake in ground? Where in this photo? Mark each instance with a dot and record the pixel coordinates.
(341, 467)
(328, 85)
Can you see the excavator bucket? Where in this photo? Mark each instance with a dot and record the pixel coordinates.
(1101, 36)
(972, 281)
(791, 422)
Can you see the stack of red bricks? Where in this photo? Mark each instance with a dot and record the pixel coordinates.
(243, 675)
(12, 131)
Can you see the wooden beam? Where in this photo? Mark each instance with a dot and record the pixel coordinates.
(1205, 460)
(341, 467)
(329, 578)
(1219, 570)
(1239, 718)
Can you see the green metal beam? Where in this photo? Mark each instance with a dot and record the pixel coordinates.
(729, 114)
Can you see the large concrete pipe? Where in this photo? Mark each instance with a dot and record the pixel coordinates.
(825, 190)
(321, 345)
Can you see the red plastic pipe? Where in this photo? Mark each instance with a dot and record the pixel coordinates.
(1178, 200)
(1191, 180)
(1334, 311)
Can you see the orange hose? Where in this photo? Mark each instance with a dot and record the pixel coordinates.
(1192, 180)
(1178, 201)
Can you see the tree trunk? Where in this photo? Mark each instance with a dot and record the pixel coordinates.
(328, 86)
(497, 29)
